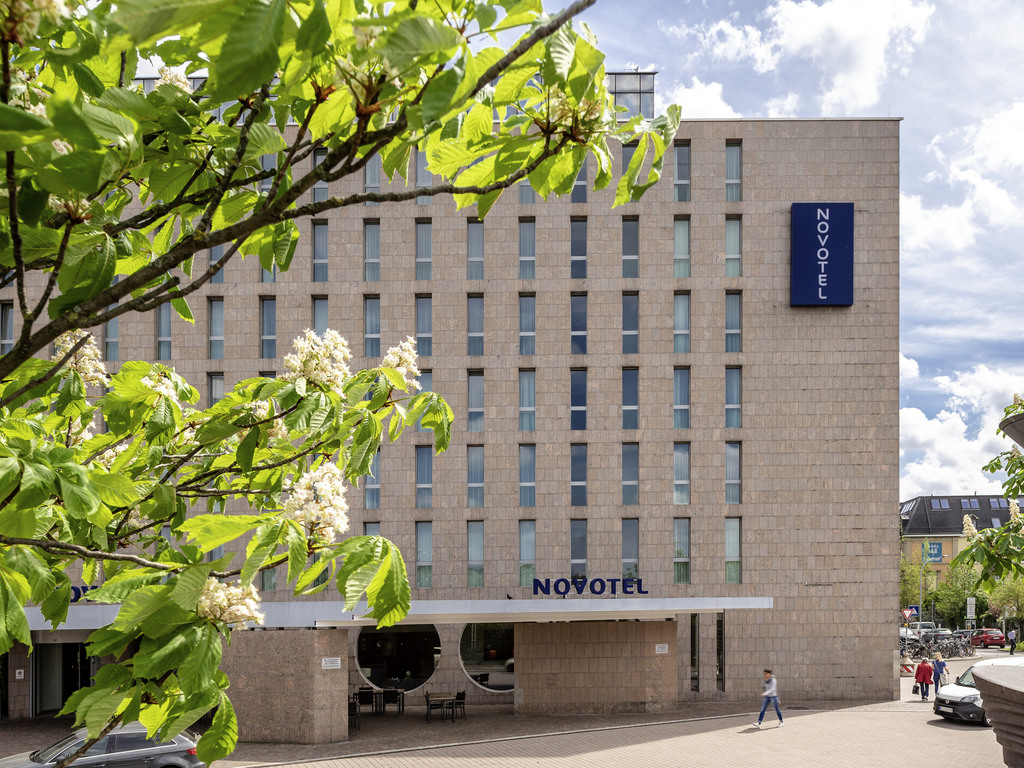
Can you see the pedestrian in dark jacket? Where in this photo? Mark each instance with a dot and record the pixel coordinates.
(923, 676)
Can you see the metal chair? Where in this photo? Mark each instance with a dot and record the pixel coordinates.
(353, 714)
(432, 705)
(364, 696)
(394, 696)
(459, 704)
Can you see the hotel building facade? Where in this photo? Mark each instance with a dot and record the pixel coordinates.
(669, 468)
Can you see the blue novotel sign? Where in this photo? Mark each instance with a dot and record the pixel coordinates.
(822, 255)
(563, 587)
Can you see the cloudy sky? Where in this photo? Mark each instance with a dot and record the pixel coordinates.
(954, 71)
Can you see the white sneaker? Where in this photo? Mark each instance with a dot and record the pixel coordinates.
(757, 725)
(781, 724)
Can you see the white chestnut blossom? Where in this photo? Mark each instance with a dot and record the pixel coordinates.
(86, 361)
(27, 15)
(969, 530)
(317, 500)
(1014, 510)
(232, 604)
(170, 76)
(403, 359)
(321, 360)
(161, 384)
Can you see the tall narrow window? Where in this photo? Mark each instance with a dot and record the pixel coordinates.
(371, 484)
(578, 549)
(268, 275)
(733, 170)
(424, 476)
(630, 548)
(681, 248)
(216, 306)
(527, 324)
(216, 254)
(527, 249)
(423, 177)
(424, 249)
(733, 322)
(319, 315)
(475, 553)
(163, 332)
(320, 186)
(475, 476)
(526, 193)
(578, 398)
(215, 387)
(733, 395)
(681, 398)
(7, 329)
(682, 180)
(681, 322)
(578, 475)
(631, 247)
(579, 187)
(681, 551)
(733, 250)
(527, 552)
(424, 326)
(371, 251)
(111, 332)
(630, 323)
(628, 151)
(371, 326)
(630, 474)
(720, 650)
(475, 325)
(371, 177)
(578, 323)
(424, 555)
(733, 473)
(267, 163)
(426, 385)
(733, 561)
(319, 252)
(475, 422)
(371, 529)
(681, 473)
(630, 398)
(474, 250)
(268, 580)
(578, 248)
(527, 401)
(527, 475)
(268, 328)
(694, 651)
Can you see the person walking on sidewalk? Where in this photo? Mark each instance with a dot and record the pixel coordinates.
(923, 676)
(769, 695)
(938, 670)
(1012, 637)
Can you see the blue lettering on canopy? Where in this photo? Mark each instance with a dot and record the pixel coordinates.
(562, 587)
(821, 256)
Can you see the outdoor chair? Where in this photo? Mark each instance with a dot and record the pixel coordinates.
(365, 698)
(459, 705)
(394, 696)
(353, 714)
(432, 705)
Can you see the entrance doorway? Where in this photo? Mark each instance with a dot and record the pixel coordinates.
(402, 656)
(59, 669)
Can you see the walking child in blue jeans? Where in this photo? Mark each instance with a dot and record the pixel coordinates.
(769, 695)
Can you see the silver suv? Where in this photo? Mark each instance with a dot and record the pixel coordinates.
(124, 747)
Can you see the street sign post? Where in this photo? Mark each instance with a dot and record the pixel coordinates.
(907, 613)
(915, 611)
(970, 607)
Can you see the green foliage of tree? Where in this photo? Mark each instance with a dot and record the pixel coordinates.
(110, 192)
(959, 583)
(911, 572)
(1007, 600)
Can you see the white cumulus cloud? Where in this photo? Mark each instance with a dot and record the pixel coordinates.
(855, 44)
(701, 100)
(783, 106)
(909, 369)
(947, 451)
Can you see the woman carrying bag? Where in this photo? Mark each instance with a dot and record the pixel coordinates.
(923, 676)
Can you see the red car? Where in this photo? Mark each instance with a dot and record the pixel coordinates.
(988, 638)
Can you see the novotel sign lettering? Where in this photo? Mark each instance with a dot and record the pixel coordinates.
(821, 257)
(562, 587)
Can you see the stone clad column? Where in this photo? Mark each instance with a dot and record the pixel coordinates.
(1002, 694)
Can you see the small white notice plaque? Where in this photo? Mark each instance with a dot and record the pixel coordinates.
(330, 662)
(661, 647)
(19, 674)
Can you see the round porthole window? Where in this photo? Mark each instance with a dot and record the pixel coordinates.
(486, 652)
(398, 657)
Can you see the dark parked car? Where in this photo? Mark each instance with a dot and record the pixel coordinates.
(124, 747)
(988, 637)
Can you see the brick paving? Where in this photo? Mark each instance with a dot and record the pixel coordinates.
(903, 732)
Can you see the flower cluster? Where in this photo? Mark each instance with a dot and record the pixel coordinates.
(276, 428)
(317, 500)
(161, 384)
(969, 530)
(86, 361)
(403, 359)
(170, 76)
(1014, 511)
(23, 17)
(230, 604)
(321, 360)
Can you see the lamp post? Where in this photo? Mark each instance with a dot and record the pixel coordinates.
(920, 598)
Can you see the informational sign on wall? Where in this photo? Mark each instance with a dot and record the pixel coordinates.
(821, 259)
(931, 552)
(330, 662)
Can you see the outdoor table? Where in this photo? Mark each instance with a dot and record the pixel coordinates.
(446, 700)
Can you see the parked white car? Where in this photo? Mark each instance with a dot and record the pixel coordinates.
(961, 700)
